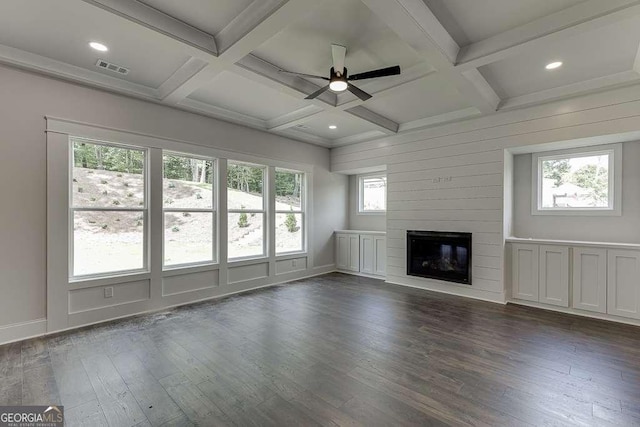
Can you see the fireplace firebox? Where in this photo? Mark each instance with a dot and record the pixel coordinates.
(439, 255)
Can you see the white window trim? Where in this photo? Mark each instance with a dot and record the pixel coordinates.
(302, 212)
(615, 181)
(213, 211)
(72, 209)
(361, 178)
(264, 212)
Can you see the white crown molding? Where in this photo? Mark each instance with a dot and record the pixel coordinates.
(31, 61)
(360, 137)
(575, 89)
(294, 117)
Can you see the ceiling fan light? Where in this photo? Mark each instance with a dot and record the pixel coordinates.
(338, 85)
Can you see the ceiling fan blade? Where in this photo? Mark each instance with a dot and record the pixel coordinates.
(358, 92)
(382, 72)
(309, 76)
(318, 92)
(338, 53)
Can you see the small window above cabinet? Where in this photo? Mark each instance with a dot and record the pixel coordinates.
(584, 181)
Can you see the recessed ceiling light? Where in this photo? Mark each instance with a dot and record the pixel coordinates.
(98, 46)
(333, 127)
(553, 65)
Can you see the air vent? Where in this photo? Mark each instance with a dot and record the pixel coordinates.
(118, 69)
(302, 127)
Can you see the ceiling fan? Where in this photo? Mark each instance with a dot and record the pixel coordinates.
(339, 79)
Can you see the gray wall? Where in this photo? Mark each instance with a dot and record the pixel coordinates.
(362, 222)
(25, 99)
(623, 229)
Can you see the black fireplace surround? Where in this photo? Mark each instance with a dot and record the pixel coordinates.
(439, 255)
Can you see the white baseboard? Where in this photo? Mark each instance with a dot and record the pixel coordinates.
(573, 311)
(37, 328)
(22, 331)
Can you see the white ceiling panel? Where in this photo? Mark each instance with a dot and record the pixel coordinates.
(305, 45)
(210, 16)
(469, 21)
(62, 29)
(429, 96)
(347, 125)
(597, 53)
(239, 94)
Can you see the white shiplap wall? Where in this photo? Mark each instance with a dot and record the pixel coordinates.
(472, 154)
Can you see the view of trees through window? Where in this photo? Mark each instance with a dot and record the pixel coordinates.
(246, 208)
(575, 182)
(289, 211)
(189, 215)
(110, 213)
(108, 208)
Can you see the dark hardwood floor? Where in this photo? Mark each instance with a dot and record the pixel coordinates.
(334, 350)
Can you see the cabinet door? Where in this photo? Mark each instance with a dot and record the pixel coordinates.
(554, 275)
(367, 254)
(623, 283)
(342, 251)
(525, 271)
(354, 252)
(380, 250)
(590, 279)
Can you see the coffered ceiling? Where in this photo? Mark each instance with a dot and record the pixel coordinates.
(221, 58)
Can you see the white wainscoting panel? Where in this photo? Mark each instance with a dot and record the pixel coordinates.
(189, 282)
(284, 266)
(248, 272)
(86, 299)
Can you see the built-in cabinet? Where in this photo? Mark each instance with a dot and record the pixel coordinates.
(597, 279)
(590, 279)
(361, 252)
(623, 276)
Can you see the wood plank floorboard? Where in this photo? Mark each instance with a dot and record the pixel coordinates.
(334, 350)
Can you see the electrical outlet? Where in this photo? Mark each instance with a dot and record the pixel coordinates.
(293, 263)
(108, 292)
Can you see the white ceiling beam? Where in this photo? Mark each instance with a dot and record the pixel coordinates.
(382, 123)
(258, 23)
(159, 22)
(386, 86)
(415, 23)
(451, 116)
(188, 70)
(277, 80)
(183, 89)
(545, 31)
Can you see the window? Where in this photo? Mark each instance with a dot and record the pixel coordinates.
(108, 209)
(246, 210)
(189, 210)
(290, 220)
(372, 193)
(577, 182)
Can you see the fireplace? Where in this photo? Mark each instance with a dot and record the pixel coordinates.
(439, 255)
